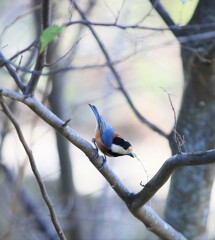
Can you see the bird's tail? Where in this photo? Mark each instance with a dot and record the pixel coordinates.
(96, 113)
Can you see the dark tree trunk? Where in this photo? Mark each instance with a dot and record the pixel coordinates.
(189, 195)
(67, 189)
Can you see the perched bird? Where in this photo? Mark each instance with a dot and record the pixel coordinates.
(108, 140)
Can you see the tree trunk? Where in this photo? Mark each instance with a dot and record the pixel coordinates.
(67, 189)
(188, 201)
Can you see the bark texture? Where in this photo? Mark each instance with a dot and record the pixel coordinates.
(188, 201)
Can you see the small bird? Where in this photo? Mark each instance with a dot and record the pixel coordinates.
(108, 140)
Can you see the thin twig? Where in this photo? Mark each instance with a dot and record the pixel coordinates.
(34, 169)
(138, 26)
(33, 44)
(20, 62)
(72, 67)
(176, 136)
(67, 53)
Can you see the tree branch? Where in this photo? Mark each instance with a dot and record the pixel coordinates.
(12, 72)
(160, 178)
(175, 27)
(155, 224)
(165, 16)
(34, 169)
(32, 84)
(17, 54)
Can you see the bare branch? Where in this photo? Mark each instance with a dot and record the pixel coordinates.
(138, 26)
(178, 140)
(160, 178)
(18, 53)
(155, 224)
(69, 68)
(165, 16)
(34, 169)
(67, 53)
(118, 77)
(12, 72)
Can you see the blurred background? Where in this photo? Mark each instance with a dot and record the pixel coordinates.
(149, 64)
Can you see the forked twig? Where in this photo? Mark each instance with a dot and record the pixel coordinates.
(178, 139)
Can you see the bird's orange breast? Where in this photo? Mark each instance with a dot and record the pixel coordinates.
(99, 143)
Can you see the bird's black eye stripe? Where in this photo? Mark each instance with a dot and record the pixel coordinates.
(121, 142)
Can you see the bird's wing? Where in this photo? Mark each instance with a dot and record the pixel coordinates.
(107, 133)
(105, 128)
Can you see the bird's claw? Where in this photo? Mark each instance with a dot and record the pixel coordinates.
(96, 148)
(94, 142)
(104, 160)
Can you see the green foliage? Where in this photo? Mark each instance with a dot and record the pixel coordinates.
(48, 35)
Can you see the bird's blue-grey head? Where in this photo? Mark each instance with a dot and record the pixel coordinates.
(105, 128)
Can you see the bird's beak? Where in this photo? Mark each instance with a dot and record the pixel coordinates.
(131, 153)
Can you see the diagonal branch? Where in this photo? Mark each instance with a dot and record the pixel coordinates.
(160, 178)
(118, 77)
(12, 72)
(32, 84)
(162, 12)
(28, 151)
(166, 17)
(4, 61)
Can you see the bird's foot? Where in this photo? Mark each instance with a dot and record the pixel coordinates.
(104, 160)
(96, 148)
(94, 142)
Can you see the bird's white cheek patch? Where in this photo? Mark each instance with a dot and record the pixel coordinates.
(118, 149)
